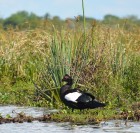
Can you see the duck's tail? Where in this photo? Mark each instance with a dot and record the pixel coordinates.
(96, 104)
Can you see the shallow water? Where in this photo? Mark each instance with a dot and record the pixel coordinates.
(114, 126)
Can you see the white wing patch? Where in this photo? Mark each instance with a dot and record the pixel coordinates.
(73, 96)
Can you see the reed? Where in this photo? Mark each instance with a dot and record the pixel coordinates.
(84, 20)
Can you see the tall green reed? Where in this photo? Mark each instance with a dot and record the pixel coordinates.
(84, 20)
(67, 55)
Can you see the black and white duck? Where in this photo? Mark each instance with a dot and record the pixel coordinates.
(76, 98)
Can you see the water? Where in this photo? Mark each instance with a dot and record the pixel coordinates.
(114, 126)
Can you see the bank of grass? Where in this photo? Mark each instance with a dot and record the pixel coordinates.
(77, 117)
(103, 61)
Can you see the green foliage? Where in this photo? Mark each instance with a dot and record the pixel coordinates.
(22, 19)
(111, 19)
(131, 78)
(16, 94)
(16, 19)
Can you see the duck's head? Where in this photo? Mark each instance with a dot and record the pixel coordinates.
(67, 79)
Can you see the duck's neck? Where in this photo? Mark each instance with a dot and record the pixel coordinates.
(70, 82)
(66, 87)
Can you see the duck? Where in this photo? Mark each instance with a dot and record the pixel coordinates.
(76, 98)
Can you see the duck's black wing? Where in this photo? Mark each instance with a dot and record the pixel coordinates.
(85, 98)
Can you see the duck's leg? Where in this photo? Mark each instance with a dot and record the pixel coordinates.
(72, 109)
(82, 111)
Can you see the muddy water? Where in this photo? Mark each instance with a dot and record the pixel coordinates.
(114, 126)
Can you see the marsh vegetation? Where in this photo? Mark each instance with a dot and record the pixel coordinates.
(103, 60)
